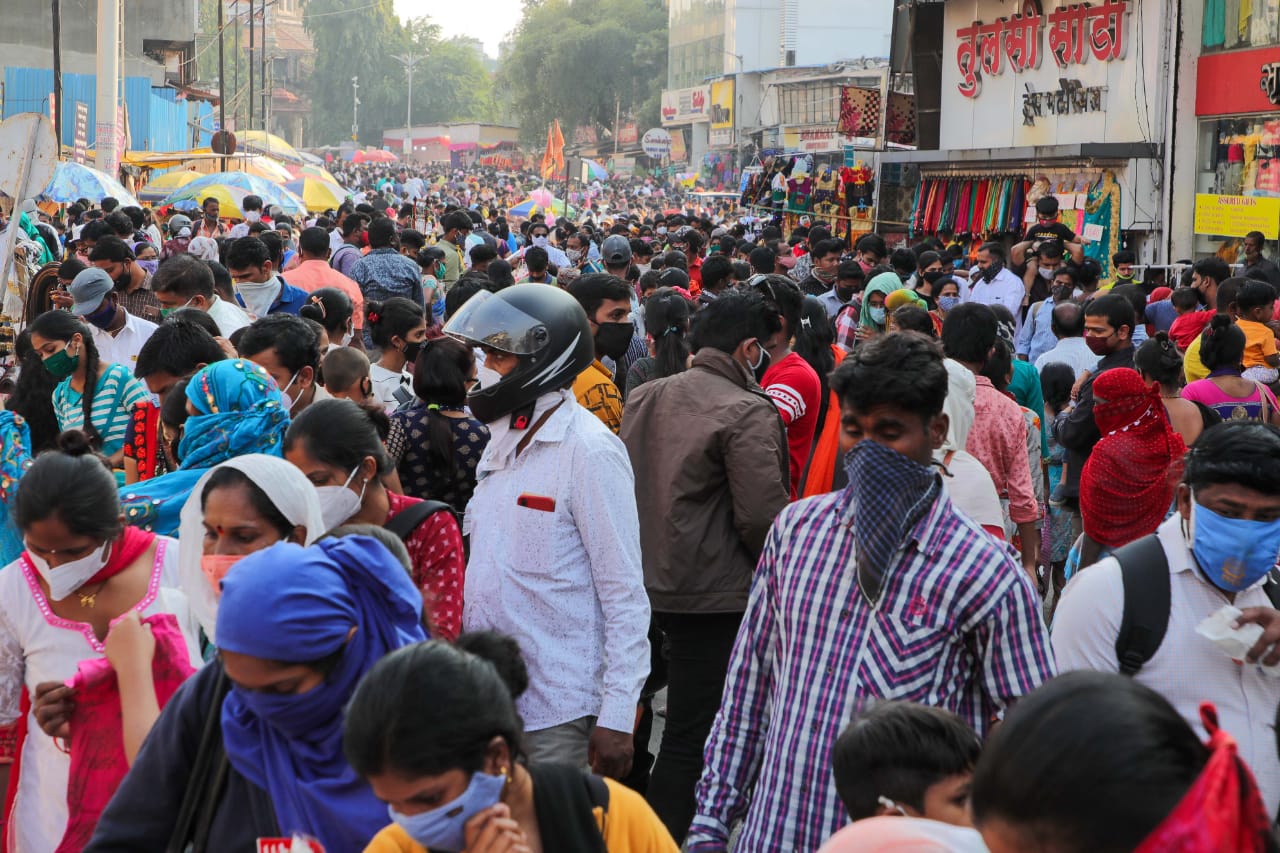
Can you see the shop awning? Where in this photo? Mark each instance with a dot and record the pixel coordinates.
(975, 157)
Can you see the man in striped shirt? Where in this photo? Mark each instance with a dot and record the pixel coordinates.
(880, 591)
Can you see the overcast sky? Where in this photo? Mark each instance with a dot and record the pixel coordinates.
(487, 20)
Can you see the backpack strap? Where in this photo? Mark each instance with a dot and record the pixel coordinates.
(403, 524)
(1272, 588)
(597, 790)
(1144, 571)
(565, 800)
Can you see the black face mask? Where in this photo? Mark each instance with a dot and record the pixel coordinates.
(411, 350)
(992, 270)
(612, 339)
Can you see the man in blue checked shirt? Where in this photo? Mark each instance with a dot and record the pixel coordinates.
(881, 591)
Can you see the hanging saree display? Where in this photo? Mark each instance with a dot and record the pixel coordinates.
(1103, 208)
(969, 205)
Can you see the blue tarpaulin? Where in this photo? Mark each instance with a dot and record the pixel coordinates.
(157, 119)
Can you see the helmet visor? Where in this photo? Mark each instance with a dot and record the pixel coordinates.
(489, 321)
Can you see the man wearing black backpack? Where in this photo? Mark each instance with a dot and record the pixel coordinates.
(1136, 612)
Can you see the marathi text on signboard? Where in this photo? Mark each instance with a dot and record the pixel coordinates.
(1237, 215)
(1075, 31)
(1071, 97)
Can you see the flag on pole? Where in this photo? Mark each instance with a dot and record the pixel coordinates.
(553, 157)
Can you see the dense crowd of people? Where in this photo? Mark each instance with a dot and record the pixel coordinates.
(403, 527)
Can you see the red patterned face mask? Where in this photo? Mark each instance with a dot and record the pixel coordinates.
(1222, 810)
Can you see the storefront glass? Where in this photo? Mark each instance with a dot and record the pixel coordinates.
(1239, 156)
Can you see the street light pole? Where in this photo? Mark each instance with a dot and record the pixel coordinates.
(355, 108)
(408, 63)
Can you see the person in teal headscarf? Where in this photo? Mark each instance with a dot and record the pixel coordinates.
(235, 408)
(46, 253)
(873, 316)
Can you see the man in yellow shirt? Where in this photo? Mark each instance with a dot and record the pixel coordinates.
(607, 301)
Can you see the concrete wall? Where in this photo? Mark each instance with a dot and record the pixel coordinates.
(829, 30)
(26, 37)
(826, 31)
(1184, 131)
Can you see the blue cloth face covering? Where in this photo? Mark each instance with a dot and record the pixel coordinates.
(441, 828)
(1233, 553)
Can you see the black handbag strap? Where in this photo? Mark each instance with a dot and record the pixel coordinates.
(407, 521)
(202, 793)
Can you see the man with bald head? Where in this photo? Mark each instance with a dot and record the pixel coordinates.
(1068, 328)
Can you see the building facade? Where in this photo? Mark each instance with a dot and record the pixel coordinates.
(157, 48)
(719, 53)
(1059, 98)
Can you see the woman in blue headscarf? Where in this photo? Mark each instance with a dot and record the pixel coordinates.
(297, 628)
(234, 408)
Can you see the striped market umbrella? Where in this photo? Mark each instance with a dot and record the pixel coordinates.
(317, 194)
(270, 193)
(162, 186)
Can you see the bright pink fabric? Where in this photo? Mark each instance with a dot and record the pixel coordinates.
(998, 439)
(98, 763)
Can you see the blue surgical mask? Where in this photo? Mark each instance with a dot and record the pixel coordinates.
(877, 315)
(440, 830)
(1233, 553)
(946, 303)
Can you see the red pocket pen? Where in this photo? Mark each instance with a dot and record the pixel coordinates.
(538, 502)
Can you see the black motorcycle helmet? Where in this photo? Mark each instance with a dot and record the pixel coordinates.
(544, 326)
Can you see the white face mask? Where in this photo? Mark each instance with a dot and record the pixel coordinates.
(346, 339)
(288, 398)
(339, 503)
(68, 577)
(258, 296)
(252, 216)
(540, 240)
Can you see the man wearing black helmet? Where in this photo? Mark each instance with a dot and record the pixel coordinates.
(555, 536)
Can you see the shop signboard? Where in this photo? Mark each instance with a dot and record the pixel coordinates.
(813, 140)
(684, 106)
(81, 139)
(1067, 72)
(1225, 82)
(627, 134)
(1237, 215)
(722, 101)
(656, 143)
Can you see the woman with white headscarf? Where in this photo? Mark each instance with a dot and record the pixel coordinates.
(970, 485)
(204, 248)
(244, 505)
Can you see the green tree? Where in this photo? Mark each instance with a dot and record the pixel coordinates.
(450, 81)
(582, 61)
(354, 39)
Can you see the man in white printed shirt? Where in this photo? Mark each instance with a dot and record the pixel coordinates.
(555, 536)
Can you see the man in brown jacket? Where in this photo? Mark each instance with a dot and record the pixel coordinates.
(710, 454)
